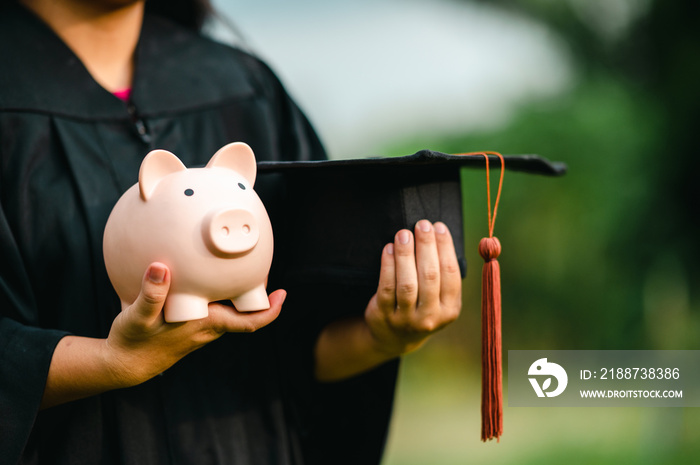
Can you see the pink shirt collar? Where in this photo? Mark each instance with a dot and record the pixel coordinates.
(123, 94)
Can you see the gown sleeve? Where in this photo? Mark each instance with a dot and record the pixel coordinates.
(345, 422)
(25, 350)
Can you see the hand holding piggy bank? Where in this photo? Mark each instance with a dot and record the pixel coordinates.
(207, 225)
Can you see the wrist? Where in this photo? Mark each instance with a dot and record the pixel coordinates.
(82, 367)
(121, 366)
(380, 345)
(390, 345)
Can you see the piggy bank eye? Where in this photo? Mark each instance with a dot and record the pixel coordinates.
(241, 186)
(189, 192)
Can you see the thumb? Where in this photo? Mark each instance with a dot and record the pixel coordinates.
(154, 290)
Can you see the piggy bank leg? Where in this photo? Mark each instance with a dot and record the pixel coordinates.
(185, 307)
(253, 300)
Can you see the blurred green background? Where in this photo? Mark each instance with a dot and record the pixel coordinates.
(605, 257)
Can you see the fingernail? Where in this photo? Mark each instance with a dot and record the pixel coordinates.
(156, 274)
(404, 237)
(390, 249)
(424, 225)
(440, 228)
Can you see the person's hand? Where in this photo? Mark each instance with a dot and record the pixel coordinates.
(420, 289)
(141, 344)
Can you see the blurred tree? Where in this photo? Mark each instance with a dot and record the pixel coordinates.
(653, 44)
(616, 242)
(607, 257)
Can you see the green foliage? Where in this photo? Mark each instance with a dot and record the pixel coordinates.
(605, 257)
(573, 263)
(437, 423)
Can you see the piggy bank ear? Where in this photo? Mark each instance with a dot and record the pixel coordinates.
(157, 165)
(237, 156)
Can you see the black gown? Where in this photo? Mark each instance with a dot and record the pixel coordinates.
(68, 150)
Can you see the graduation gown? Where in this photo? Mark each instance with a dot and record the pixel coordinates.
(68, 150)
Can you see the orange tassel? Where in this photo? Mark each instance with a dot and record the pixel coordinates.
(491, 366)
(491, 371)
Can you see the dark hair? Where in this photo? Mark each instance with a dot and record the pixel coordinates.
(189, 13)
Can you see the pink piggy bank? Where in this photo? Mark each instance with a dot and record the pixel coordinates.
(206, 224)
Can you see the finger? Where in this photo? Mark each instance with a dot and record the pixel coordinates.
(386, 291)
(228, 319)
(154, 290)
(406, 274)
(450, 277)
(428, 266)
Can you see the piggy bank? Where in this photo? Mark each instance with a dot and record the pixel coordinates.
(206, 224)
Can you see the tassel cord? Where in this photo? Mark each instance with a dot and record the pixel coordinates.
(491, 217)
(492, 374)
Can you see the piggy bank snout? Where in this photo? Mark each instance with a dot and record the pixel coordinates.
(231, 231)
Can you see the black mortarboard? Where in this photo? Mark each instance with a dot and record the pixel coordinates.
(341, 213)
(331, 223)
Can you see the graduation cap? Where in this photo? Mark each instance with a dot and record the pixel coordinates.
(345, 211)
(336, 219)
